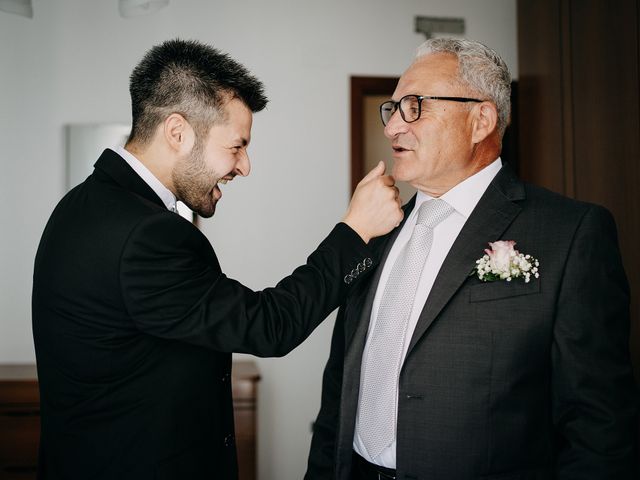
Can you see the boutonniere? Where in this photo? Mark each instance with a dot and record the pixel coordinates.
(503, 262)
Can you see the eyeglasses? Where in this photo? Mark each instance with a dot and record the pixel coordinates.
(411, 106)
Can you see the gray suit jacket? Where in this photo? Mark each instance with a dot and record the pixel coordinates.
(507, 380)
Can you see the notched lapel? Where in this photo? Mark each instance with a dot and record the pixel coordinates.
(495, 211)
(360, 303)
(356, 324)
(117, 169)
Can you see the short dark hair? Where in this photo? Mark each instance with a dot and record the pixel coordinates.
(189, 78)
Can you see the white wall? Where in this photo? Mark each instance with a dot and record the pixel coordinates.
(70, 64)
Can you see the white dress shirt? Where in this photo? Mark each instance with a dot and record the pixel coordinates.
(166, 195)
(463, 198)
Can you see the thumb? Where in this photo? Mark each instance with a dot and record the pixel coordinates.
(376, 171)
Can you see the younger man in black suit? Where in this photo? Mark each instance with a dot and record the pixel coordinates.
(133, 320)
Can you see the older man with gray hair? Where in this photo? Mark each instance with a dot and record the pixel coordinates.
(492, 341)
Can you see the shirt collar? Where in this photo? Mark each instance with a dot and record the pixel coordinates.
(167, 197)
(465, 196)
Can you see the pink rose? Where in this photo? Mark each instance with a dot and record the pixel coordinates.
(500, 254)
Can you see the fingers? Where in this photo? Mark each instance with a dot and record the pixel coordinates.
(375, 172)
(399, 220)
(375, 208)
(399, 204)
(388, 180)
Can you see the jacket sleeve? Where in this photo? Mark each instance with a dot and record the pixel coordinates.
(321, 463)
(593, 392)
(173, 288)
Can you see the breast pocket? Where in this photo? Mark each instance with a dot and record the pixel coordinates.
(501, 289)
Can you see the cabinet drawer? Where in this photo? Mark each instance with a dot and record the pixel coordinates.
(20, 427)
(17, 472)
(19, 392)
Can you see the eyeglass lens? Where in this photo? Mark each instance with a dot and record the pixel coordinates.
(409, 109)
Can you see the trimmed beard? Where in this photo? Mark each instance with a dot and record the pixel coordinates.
(194, 182)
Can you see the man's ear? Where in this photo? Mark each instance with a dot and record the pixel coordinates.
(485, 121)
(178, 133)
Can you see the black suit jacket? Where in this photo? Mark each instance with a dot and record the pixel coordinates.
(502, 380)
(134, 324)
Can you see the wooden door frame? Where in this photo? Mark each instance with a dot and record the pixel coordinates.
(360, 88)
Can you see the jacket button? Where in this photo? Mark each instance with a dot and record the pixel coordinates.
(228, 440)
(226, 377)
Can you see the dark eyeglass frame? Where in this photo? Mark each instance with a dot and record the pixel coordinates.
(396, 105)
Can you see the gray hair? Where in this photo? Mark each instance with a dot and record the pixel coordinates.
(479, 68)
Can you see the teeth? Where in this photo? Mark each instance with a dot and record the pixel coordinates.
(223, 181)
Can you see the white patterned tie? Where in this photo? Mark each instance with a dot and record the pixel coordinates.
(381, 367)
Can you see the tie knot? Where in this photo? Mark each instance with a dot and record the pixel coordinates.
(432, 212)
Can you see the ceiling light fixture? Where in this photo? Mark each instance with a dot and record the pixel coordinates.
(134, 8)
(430, 25)
(19, 7)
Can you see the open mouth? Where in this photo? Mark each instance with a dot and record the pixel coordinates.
(399, 149)
(225, 179)
(215, 191)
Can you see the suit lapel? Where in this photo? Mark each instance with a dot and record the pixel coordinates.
(112, 166)
(356, 324)
(358, 308)
(492, 216)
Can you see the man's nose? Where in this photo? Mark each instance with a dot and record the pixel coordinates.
(243, 167)
(395, 125)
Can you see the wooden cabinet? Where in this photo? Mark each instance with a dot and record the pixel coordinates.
(20, 419)
(244, 384)
(19, 422)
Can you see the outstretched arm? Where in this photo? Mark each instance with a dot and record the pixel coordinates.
(172, 285)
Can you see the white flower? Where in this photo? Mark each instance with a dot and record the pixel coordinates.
(503, 262)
